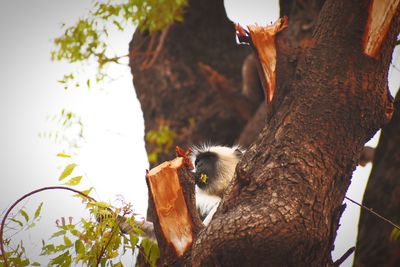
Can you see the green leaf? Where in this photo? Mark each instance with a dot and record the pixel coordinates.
(395, 234)
(17, 221)
(151, 251)
(38, 210)
(67, 171)
(59, 233)
(36, 264)
(86, 192)
(24, 214)
(74, 181)
(67, 241)
(75, 232)
(62, 155)
(48, 249)
(102, 204)
(134, 240)
(62, 259)
(152, 157)
(79, 247)
(24, 262)
(116, 23)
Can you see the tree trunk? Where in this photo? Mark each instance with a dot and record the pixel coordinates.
(175, 92)
(374, 247)
(284, 204)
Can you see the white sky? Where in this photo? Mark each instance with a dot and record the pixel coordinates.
(113, 156)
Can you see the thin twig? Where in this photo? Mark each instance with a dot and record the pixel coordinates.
(3, 253)
(344, 257)
(103, 250)
(375, 213)
(147, 227)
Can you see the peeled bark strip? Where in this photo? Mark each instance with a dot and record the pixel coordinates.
(170, 205)
(263, 40)
(380, 15)
(303, 16)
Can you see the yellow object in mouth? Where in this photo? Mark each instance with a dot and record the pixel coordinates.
(203, 178)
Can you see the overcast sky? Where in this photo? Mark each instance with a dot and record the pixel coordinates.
(112, 157)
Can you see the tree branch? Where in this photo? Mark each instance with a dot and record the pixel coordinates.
(374, 213)
(3, 221)
(344, 257)
(232, 98)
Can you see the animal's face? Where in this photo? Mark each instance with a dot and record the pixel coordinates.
(206, 169)
(215, 167)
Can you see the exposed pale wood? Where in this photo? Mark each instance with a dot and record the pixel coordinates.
(263, 39)
(380, 15)
(173, 214)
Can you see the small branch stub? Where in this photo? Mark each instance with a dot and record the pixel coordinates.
(171, 209)
(263, 40)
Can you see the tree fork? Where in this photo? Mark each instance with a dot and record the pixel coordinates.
(282, 208)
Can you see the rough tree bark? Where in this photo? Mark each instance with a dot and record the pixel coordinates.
(175, 91)
(302, 18)
(284, 204)
(374, 247)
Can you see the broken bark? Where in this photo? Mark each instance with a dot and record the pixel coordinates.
(380, 16)
(284, 205)
(290, 44)
(176, 220)
(263, 40)
(173, 91)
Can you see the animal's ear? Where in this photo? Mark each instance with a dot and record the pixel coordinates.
(238, 153)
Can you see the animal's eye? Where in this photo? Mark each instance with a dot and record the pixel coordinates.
(196, 161)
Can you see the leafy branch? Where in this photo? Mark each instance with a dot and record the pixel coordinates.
(3, 222)
(96, 244)
(69, 131)
(87, 39)
(162, 138)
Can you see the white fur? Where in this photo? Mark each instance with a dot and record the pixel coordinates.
(207, 200)
(206, 203)
(226, 164)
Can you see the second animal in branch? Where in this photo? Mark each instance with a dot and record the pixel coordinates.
(214, 168)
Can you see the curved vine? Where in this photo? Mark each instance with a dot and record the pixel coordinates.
(3, 253)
